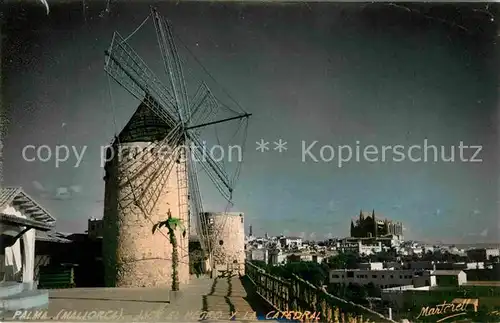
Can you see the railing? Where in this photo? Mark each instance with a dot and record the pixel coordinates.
(301, 296)
(272, 289)
(56, 277)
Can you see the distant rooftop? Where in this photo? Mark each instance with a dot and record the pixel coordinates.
(52, 236)
(292, 238)
(18, 221)
(446, 272)
(224, 213)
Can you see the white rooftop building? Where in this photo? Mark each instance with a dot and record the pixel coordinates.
(383, 278)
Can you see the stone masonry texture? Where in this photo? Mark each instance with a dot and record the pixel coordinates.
(227, 236)
(139, 192)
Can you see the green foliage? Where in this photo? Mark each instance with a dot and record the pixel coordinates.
(260, 263)
(383, 256)
(345, 260)
(172, 224)
(443, 256)
(314, 273)
(353, 292)
(372, 290)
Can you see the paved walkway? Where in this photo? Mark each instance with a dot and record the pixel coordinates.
(204, 299)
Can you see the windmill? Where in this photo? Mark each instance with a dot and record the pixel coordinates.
(142, 186)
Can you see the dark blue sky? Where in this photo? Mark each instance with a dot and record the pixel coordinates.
(329, 72)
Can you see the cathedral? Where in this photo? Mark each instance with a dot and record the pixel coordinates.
(368, 226)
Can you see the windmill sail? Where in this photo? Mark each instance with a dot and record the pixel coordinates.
(142, 189)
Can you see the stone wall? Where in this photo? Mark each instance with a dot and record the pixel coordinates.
(3, 115)
(3, 124)
(139, 192)
(227, 236)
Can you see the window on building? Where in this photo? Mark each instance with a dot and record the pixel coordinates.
(400, 276)
(383, 276)
(374, 276)
(350, 275)
(392, 276)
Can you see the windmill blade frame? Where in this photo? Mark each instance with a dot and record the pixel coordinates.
(203, 98)
(126, 67)
(171, 60)
(212, 168)
(181, 121)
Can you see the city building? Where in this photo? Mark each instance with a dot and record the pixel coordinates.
(371, 265)
(383, 278)
(358, 247)
(276, 257)
(482, 254)
(453, 278)
(94, 228)
(417, 296)
(295, 257)
(260, 254)
(291, 242)
(368, 226)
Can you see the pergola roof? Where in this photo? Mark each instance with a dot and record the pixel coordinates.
(15, 220)
(52, 236)
(15, 196)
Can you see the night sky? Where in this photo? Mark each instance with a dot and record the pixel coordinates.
(335, 73)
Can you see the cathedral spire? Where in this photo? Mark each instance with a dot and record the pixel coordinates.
(361, 216)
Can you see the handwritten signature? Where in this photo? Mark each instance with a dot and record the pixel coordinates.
(456, 308)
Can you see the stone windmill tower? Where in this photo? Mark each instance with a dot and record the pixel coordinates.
(3, 120)
(3, 126)
(151, 169)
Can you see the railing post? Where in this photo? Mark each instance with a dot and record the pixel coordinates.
(273, 288)
(293, 295)
(266, 289)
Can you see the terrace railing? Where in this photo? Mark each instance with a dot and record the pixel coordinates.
(299, 296)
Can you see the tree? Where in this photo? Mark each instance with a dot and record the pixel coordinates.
(259, 263)
(384, 256)
(345, 260)
(372, 290)
(172, 224)
(307, 270)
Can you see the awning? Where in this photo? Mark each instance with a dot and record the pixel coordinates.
(16, 197)
(17, 221)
